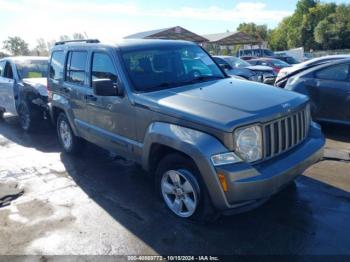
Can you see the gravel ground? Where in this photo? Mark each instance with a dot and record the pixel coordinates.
(95, 204)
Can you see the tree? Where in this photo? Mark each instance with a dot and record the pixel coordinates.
(16, 46)
(310, 22)
(41, 48)
(78, 36)
(313, 25)
(333, 32)
(278, 38)
(64, 38)
(253, 29)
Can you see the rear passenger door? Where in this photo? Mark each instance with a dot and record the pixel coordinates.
(331, 92)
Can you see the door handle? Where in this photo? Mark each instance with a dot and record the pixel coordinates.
(90, 97)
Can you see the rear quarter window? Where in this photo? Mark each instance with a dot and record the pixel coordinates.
(336, 73)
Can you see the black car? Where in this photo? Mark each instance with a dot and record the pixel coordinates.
(285, 73)
(288, 59)
(328, 87)
(234, 66)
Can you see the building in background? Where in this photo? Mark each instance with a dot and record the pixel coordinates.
(173, 33)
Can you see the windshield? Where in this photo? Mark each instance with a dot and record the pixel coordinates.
(169, 66)
(32, 68)
(236, 62)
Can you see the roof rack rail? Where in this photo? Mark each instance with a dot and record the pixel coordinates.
(89, 41)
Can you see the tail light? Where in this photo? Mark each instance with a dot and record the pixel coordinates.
(276, 69)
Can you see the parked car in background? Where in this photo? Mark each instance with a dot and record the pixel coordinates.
(308, 56)
(287, 72)
(255, 52)
(238, 67)
(328, 86)
(211, 143)
(246, 58)
(23, 89)
(276, 64)
(288, 59)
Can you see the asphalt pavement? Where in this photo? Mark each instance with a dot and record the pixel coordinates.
(98, 204)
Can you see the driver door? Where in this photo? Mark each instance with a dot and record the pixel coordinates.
(7, 85)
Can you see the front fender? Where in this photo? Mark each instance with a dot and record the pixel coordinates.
(196, 144)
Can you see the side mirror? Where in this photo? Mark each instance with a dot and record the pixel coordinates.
(106, 87)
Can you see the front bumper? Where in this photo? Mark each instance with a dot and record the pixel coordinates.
(249, 184)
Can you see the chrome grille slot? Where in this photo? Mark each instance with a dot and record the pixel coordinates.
(285, 133)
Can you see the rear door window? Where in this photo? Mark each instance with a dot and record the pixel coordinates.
(76, 67)
(56, 65)
(336, 73)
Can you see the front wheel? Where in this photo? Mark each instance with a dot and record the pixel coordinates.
(28, 117)
(70, 143)
(182, 189)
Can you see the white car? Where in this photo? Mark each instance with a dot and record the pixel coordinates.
(23, 89)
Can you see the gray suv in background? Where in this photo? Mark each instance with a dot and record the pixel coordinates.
(212, 143)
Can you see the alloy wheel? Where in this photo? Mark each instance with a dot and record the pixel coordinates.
(179, 193)
(65, 134)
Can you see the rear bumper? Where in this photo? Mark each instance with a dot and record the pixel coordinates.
(249, 184)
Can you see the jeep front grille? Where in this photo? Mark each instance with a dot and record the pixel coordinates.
(285, 133)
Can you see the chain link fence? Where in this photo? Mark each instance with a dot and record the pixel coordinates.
(331, 52)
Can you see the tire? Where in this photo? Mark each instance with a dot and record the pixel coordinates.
(2, 112)
(189, 197)
(70, 143)
(28, 117)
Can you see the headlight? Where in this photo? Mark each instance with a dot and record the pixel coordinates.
(268, 75)
(248, 141)
(281, 74)
(255, 78)
(225, 159)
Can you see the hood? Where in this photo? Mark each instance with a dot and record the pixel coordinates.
(40, 84)
(287, 70)
(223, 104)
(260, 68)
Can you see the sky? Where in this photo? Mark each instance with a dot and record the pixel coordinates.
(111, 20)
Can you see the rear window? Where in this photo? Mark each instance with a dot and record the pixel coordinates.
(31, 68)
(56, 65)
(76, 67)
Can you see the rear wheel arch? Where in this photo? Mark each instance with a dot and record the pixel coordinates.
(56, 111)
